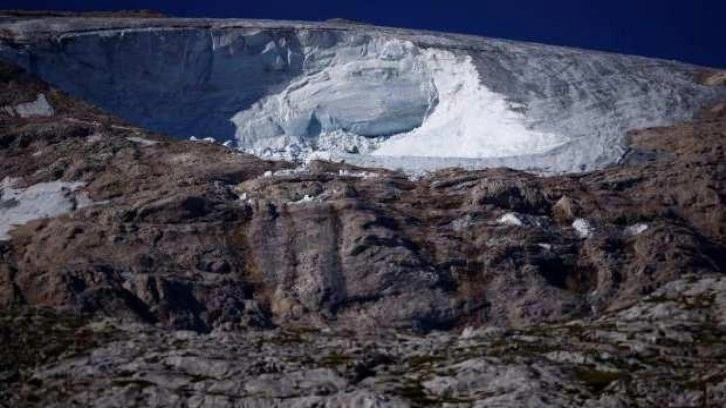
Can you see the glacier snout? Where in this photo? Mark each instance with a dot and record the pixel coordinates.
(370, 95)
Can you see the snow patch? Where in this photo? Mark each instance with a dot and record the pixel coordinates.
(635, 229)
(286, 172)
(40, 107)
(94, 138)
(510, 219)
(290, 172)
(21, 205)
(142, 141)
(357, 174)
(245, 198)
(583, 228)
(307, 199)
(202, 140)
(363, 174)
(522, 220)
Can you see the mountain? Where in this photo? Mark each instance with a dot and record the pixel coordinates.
(397, 98)
(138, 269)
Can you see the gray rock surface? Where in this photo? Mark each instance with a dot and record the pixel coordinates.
(637, 356)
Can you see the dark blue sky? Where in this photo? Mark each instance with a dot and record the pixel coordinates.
(686, 30)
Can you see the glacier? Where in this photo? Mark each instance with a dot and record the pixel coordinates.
(373, 96)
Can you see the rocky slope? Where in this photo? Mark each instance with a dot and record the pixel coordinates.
(667, 350)
(375, 96)
(169, 273)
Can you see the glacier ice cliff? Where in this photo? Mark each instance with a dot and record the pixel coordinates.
(370, 95)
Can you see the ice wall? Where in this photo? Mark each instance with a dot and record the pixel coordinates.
(349, 96)
(373, 96)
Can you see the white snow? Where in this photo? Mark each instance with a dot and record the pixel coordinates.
(583, 228)
(21, 205)
(510, 219)
(469, 120)
(94, 138)
(286, 172)
(40, 107)
(307, 199)
(202, 140)
(291, 172)
(523, 220)
(142, 141)
(363, 174)
(357, 174)
(635, 229)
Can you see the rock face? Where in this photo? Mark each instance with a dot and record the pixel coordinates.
(667, 349)
(294, 90)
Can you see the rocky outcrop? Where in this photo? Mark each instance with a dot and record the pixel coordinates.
(714, 78)
(666, 349)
